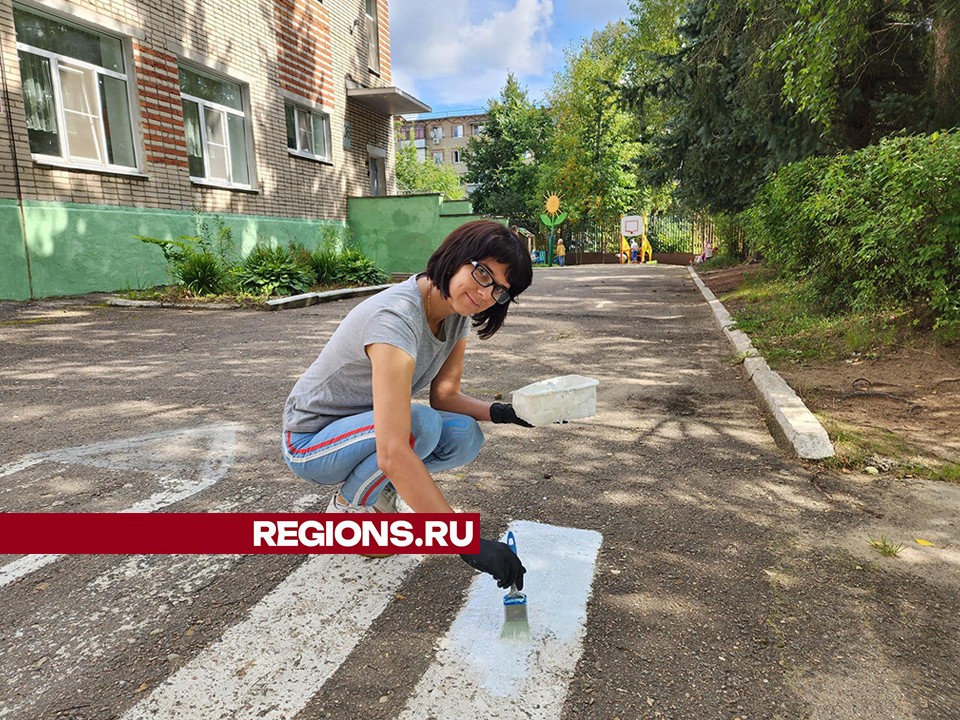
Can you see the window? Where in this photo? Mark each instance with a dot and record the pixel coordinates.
(438, 157)
(418, 131)
(476, 128)
(308, 132)
(458, 131)
(405, 132)
(75, 93)
(216, 129)
(373, 36)
(436, 134)
(456, 156)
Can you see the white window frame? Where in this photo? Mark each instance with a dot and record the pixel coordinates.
(299, 107)
(435, 154)
(373, 35)
(456, 157)
(57, 60)
(210, 106)
(457, 131)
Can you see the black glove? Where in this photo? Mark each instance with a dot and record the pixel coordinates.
(504, 413)
(498, 560)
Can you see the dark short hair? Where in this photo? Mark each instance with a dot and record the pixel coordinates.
(478, 240)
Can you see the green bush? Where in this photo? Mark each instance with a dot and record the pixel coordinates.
(357, 269)
(273, 271)
(200, 263)
(192, 266)
(326, 265)
(201, 272)
(205, 263)
(877, 227)
(335, 263)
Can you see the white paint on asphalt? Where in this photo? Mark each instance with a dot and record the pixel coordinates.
(16, 569)
(157, 452)
(20, 465)
(270, 665)
(476, 675)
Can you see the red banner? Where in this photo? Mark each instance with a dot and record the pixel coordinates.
(238, 533)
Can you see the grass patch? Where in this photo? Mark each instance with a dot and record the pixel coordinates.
(720, 261)
(180, 294)
(948, 472)
(789, 327)
(786, 326)
(886, 547)
(858, 449)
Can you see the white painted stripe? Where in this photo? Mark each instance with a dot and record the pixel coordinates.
(145, 453)
(25, 565)
(269, 666)
(22, 464)
(476, 675)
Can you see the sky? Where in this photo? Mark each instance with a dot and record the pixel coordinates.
(454, 55)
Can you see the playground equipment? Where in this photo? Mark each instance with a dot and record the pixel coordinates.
(646, 250)
(634, 226)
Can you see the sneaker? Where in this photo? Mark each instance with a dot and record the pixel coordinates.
(389, 501)
(339, 505)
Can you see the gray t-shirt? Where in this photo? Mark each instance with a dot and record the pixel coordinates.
(340, 380)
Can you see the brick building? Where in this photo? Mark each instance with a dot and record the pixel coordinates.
(125, 117)
(442, 138)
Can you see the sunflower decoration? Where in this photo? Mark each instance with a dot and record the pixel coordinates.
(550, 218)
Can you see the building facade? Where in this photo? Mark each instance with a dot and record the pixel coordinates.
(126, 117)
(442, 138)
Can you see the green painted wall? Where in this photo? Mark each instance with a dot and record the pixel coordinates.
(401, 232)
(77, 248)
(13, 258)
(456, 207)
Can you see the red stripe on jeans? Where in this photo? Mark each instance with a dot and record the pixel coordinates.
(331, 441)
(366, 495)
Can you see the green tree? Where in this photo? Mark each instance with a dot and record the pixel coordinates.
(592, 160)
(501, 161)
(421, 176)
(723, 126)
(865, 69)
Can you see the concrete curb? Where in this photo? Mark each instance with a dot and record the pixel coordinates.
(799, 425)
(287, 303)
(124, 302)
(313, 298)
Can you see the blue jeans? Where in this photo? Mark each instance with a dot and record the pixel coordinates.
(345, 451)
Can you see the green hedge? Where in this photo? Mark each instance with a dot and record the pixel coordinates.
(877, 227)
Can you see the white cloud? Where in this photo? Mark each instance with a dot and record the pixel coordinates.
(461, 58)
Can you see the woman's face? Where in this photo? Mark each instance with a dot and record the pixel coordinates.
(467, 296)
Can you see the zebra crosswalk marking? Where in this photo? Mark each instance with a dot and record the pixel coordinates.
(135, 454)
(476, 675)
(269, 665)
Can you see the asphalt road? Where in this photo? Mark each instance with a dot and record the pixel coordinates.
(731, 580)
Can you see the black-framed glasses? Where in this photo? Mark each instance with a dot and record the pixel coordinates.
(484, 278)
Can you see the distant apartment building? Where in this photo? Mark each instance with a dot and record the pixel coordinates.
(442, 138)
(124, 117)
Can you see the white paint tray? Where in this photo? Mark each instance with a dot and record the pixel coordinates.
(567, 397)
